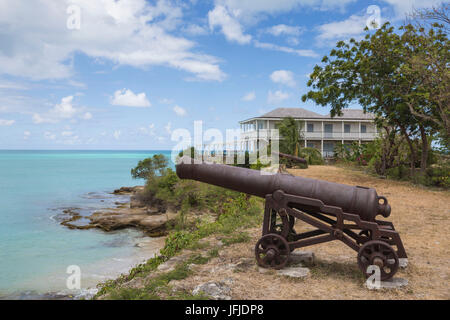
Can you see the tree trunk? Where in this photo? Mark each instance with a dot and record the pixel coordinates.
(425, 147)
(411, 147)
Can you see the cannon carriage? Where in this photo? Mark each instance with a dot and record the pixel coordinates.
(336, 211)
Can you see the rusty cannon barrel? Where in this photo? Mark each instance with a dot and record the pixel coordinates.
(352, 199)
(291, 157)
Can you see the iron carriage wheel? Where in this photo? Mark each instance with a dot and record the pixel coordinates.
(272, 251)
(381, 254)
(284, 228)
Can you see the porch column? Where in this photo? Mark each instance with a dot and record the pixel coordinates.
(321, 141)
(359, 133)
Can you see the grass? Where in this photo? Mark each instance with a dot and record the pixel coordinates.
(236, 238)
(237, 212)
(324, 269)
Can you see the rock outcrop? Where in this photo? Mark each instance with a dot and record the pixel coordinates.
(216, 290)
(135, 214)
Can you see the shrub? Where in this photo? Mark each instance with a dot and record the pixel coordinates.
(438, 176)
(150, 167)
(312, 156)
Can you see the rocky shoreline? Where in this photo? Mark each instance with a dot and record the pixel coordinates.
(134, 213)
(152, 220)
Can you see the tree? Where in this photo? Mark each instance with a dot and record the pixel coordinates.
(427, 63)
(374, 73)
(290, 136)
(150, 167)
(435, 14)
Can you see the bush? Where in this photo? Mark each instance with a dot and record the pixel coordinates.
(400, 172)
(312, 156)
(150, 167)
(438, 176)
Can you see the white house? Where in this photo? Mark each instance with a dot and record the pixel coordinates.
(318, 131)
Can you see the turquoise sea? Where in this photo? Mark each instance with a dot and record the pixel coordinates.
(35, 187)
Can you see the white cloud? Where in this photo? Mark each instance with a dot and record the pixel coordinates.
(252, 7)
(403, 7)
(340, 30)
(195, 30)
(117, 134)
(87, 116)
(284, 77)
(354, 25)
(179, 111)
(26, 135)
(12, 85)
(277, 97)
(149, 130)
(274, 47)
(62, 111)
(67, 133)
(168, 127)
(65, 109)
(229, 25)
(6, 122)
(283, 29)
(77, 84)
(127, 98)
(125, 32)
(69, 138)
(166, 101)
(232, 15)
(249, 96)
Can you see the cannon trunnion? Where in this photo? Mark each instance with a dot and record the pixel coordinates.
(337, 211)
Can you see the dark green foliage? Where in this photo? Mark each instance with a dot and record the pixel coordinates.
(312, 155)
(438, 176)
(290, 136)
(150, 167)
(399, 75)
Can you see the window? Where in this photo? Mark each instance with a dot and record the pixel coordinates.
(310, 127)
(260, 125)
(328, 128)
(311, 145)
(363, 128)
(346, 128)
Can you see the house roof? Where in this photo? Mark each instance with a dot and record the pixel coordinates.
(354, 114)
(300, 113)
(291, 112)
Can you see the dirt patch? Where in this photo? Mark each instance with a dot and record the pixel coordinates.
(419, 214)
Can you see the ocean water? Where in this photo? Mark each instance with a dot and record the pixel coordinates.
(35, 186)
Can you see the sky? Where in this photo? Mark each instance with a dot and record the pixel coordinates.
(125, 74)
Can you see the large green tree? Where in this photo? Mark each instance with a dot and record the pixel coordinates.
(427, 63)
(150, 167)
(376, 72)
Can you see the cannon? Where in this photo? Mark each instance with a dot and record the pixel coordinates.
(336, 211)
(290, 157)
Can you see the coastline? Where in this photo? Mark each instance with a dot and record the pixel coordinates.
(109, 220)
